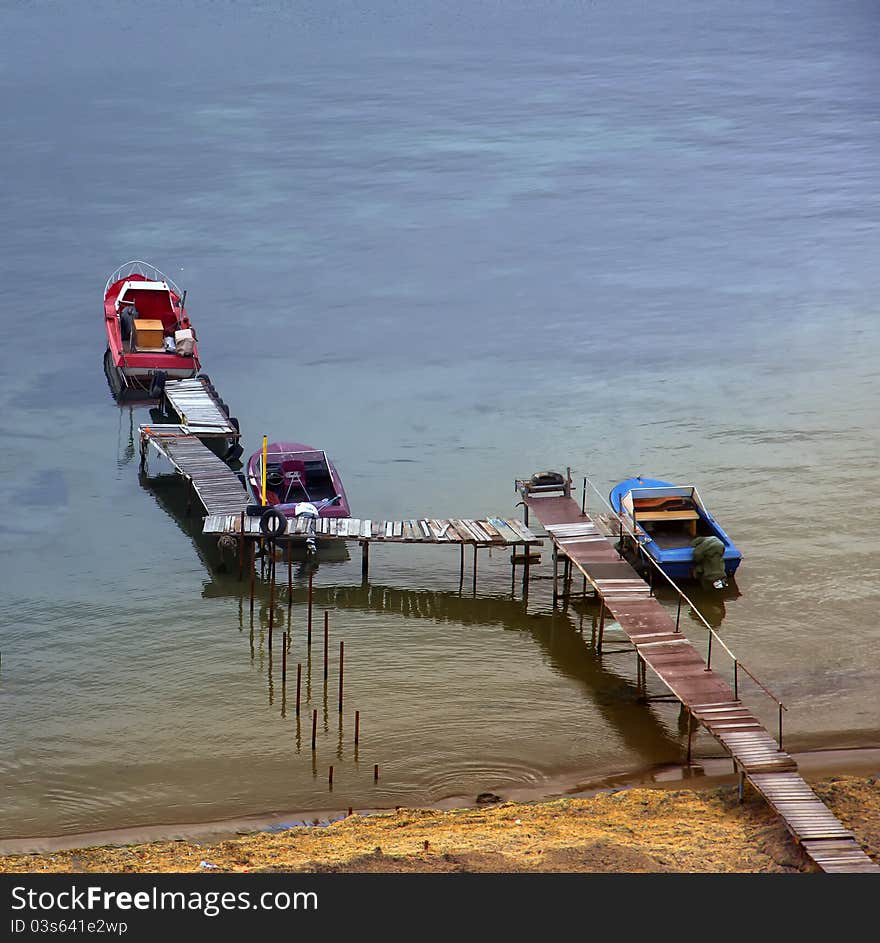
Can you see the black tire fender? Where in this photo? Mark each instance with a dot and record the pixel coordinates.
(273, 523)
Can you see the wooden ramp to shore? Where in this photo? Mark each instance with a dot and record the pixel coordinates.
(705, 694)
(213, 482)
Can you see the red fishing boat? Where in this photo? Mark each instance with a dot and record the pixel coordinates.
(149, 335)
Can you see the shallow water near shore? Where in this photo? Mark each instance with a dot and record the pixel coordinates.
(450, 252)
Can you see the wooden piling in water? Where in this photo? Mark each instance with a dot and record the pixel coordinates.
(357, 727)
(475, 569)
(299, 676)
(326, 642)
(376, 773)
(365, 561)
(284, 658)
(330, 778)
(314, 728)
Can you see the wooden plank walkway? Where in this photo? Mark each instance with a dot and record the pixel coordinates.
(198, 408)
(486, 532)
(708, 697)
(213, 481)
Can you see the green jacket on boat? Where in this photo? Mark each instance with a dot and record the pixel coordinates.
(708, 559)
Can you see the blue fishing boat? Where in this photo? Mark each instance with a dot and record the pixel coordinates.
(672, 526)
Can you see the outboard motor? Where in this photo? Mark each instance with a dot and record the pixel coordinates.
(709, 562)
(157, 386)
(307, 510)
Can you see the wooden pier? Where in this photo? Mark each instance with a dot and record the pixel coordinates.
(210, 479)
(709, 700)
(485, 532)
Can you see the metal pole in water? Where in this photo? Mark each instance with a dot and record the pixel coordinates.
(311, 577)
(289, 586)
(326, 641)
(341, 667)
(263, 473)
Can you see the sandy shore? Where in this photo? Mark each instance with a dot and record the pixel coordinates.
(626, 830)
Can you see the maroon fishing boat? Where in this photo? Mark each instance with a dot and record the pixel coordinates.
(149, 336)
(300, 482)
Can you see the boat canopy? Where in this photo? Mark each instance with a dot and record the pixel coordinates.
(139, 286)
(153, 300)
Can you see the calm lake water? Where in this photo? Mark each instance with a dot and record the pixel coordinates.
(452, 248)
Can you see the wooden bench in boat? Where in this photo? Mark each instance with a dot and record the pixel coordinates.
(690, 515)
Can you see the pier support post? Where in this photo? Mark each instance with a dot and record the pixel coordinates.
(690, 736)
(241, 547)
(601, 635)
(365, 561)
(742, 785)
(555, 575)
(271, 590)
(289, 589)
(475, 569)
(461, 568)
(253, 574)
(311, 578)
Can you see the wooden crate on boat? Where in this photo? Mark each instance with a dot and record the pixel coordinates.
(148, 334)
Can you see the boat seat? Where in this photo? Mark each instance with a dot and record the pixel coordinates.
(688, 515)
(294, 472)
